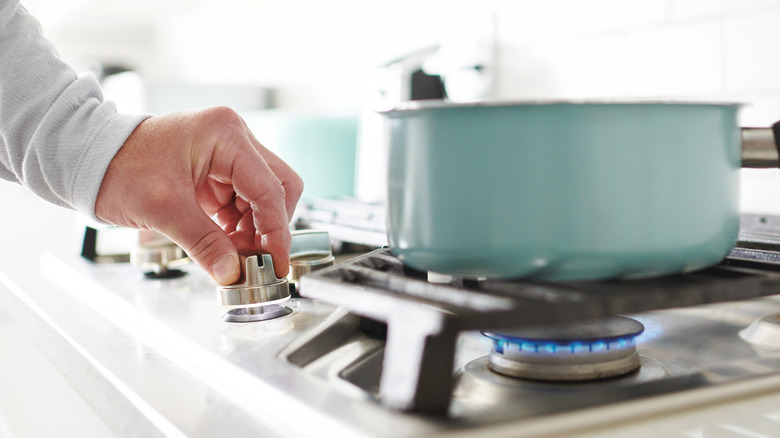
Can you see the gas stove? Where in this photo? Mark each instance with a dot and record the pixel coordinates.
(371, 347)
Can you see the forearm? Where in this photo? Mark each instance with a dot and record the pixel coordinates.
(57, 135)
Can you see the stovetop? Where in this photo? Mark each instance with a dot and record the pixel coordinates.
(371, 353)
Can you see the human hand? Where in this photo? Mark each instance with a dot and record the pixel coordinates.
(177, 172)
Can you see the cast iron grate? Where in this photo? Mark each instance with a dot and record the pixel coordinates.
(424, 319)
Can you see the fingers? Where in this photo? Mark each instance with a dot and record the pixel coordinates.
(175, 171)
(268, 211)
(205, 243)
(257, 177)
(249, 229)
(238, 220)
(291, 181)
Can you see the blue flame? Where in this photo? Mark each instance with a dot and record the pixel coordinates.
(551, 347)
(652, 330)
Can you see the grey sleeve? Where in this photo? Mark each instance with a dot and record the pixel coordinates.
(57, 134)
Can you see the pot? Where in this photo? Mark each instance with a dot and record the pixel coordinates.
(564, 190)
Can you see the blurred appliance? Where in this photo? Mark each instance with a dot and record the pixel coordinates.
(168, 97)
(345, 219)
(149, 250)
(134, 93)
(361, 218)
(453, 70)
(319, 147)
(397, 81)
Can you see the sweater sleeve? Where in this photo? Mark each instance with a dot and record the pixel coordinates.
(57, 134)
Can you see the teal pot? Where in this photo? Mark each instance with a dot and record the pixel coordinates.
(563, 191)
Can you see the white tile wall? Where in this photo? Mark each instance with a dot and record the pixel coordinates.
(643, 48)
(675, 60)
(592, 66)
(546, 49)
(559, 48)
(751, 47)
(606, 15)
(524, 23)
(687, 9)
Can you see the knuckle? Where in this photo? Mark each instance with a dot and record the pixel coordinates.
(294, 186)
(206, 246)
(274, 195)
(223, 115)
(270, 203)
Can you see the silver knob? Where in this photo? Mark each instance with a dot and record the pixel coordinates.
(258, 285)
(309, 252)
(158, 253)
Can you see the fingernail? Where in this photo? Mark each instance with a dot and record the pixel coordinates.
(223, 268)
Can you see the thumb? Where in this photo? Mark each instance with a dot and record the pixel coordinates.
(207, 245)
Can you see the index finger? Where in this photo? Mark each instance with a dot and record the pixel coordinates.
(292, 183)
(252, 178)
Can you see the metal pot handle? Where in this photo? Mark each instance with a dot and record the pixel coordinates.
(761, 147)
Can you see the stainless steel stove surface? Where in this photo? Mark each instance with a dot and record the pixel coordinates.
(335, 369)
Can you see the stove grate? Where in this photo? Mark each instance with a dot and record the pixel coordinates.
(424, 318)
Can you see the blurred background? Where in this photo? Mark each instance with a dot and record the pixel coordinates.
(288, 64)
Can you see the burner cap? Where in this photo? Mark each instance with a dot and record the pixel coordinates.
(582, 350)
(258, 313)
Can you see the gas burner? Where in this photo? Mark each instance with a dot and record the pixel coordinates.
(424, 319)
(581, 350)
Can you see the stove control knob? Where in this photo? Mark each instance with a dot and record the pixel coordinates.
(258, 285)
(156, 252)
(310, 251)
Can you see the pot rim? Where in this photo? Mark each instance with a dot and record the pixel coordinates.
(435, 104)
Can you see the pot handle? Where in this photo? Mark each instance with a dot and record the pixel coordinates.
(761, 147)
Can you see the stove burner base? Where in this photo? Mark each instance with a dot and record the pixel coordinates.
(481, 387)
(255, 314)
(567, 369)
(577, 351)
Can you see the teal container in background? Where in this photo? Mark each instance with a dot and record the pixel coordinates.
(563, 191)
(321, 148)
